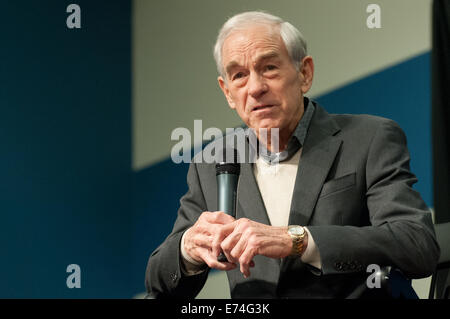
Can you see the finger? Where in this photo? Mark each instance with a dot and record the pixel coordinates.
(224, 218)
(202, 241)
(229, 244)
(218, 217)
(207, 229)
(194, 248)
(245, 260)
(236, 242)
(222, 234)
(215, 247)
(238, 245)
(212, 262)
(203, 227)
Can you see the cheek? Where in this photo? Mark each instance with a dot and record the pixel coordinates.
(294, 92)
(239, 99)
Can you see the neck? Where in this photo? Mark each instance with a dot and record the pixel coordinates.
(282, 135)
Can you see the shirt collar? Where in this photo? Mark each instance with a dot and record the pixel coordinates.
(295, 142)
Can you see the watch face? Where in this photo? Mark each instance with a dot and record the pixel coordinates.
(296, 230)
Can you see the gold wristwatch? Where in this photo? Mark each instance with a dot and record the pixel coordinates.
(299, 236)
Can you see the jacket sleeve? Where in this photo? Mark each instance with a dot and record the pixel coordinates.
(164, 277)
(401, 232)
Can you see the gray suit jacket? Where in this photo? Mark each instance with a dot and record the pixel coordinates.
(354, 192)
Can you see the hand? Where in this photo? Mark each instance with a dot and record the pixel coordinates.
(198, 241)
(246, 239)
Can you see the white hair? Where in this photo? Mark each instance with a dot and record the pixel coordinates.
(291, 36)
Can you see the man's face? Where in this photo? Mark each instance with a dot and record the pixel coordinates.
(262, 84)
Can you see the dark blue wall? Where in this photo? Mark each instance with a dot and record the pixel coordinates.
(156, 199)
(65, 156)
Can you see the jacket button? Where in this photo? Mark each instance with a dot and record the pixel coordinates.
(338, 265)
(173, 277)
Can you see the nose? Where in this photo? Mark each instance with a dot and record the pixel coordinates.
(256, 85)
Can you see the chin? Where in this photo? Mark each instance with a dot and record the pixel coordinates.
(268, 125)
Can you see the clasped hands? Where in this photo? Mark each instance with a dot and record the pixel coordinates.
(239, 239)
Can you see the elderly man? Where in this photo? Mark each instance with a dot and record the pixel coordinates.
(340, 199)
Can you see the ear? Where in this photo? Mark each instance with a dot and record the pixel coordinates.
(226, 92)
(307, 73)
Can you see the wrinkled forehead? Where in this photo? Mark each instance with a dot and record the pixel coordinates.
(252, 41)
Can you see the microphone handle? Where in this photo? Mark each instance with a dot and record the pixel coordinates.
(226, 193)
(226, 198)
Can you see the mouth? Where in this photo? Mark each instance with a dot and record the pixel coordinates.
(261, 107)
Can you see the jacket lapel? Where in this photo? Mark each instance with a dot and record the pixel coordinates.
(318, 154)
(249, 198)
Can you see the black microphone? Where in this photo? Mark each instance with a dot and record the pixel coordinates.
(227, 176)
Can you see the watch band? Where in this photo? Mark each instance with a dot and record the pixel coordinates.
(298, 242)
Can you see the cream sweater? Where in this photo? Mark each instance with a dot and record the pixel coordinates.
(276, 185)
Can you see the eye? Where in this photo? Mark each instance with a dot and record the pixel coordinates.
(271, 67)
(238, 75)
